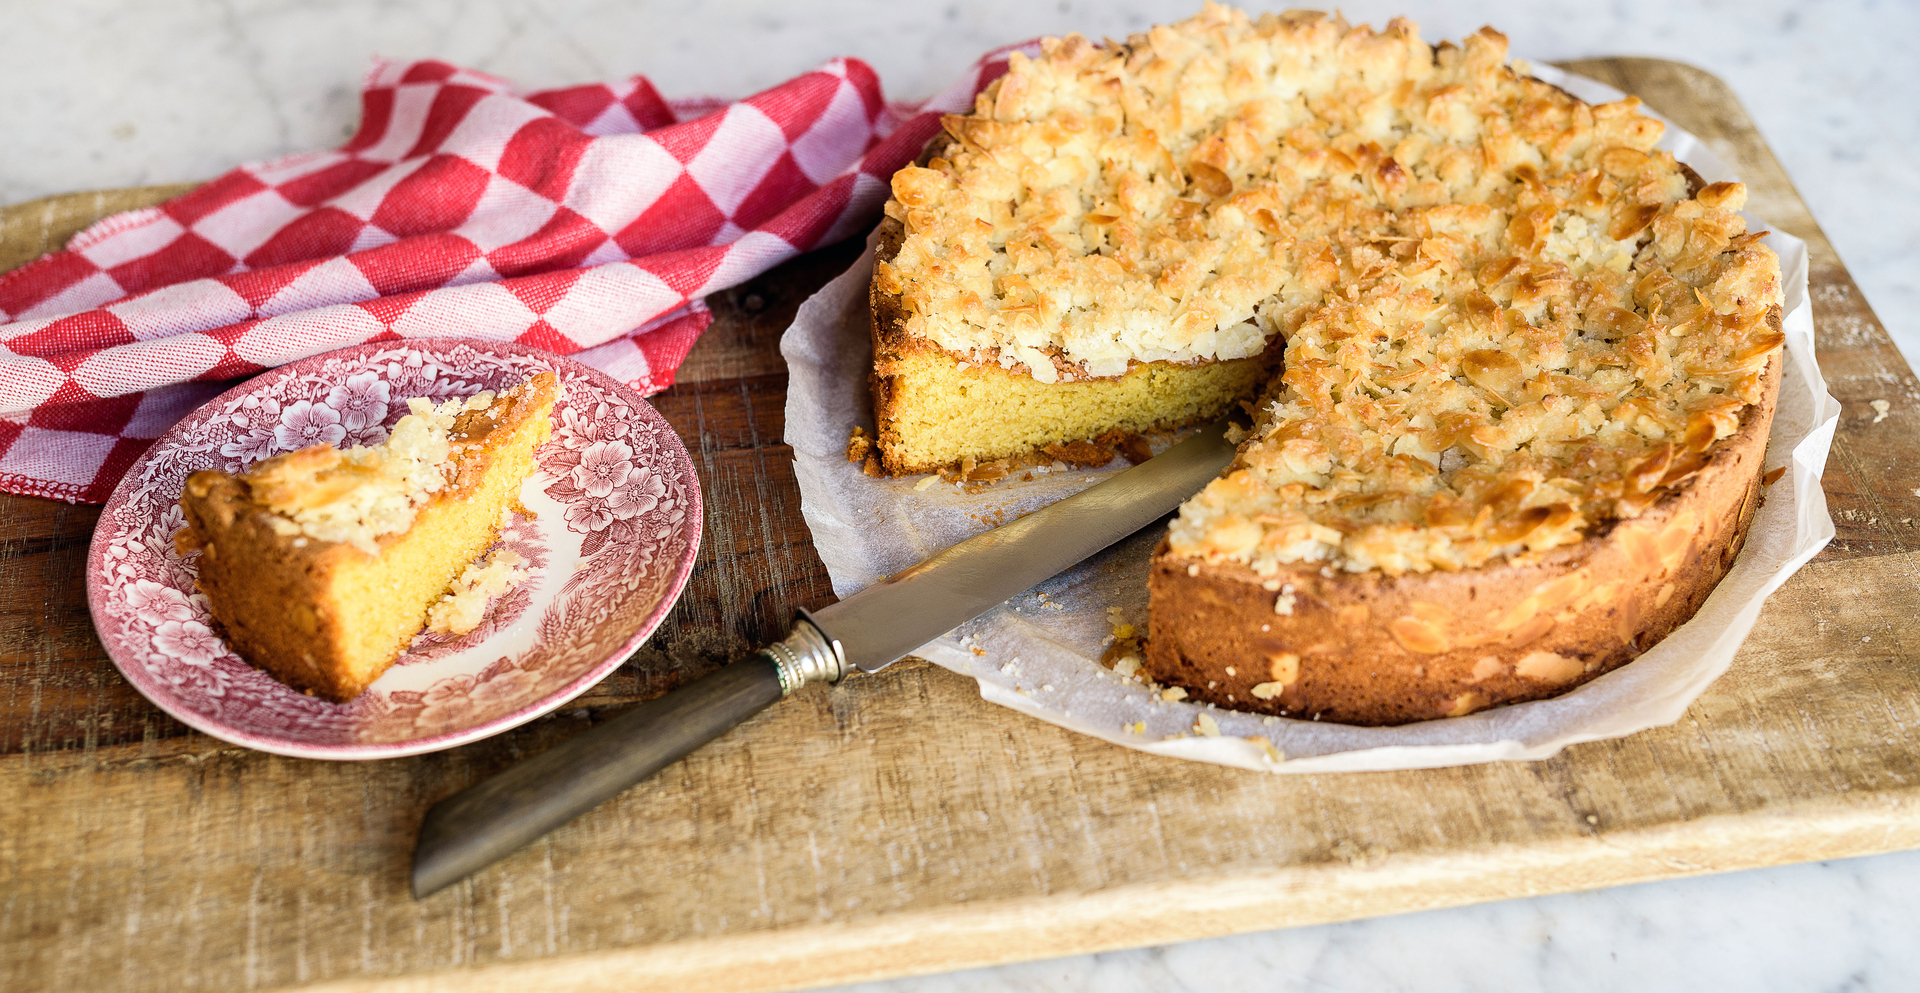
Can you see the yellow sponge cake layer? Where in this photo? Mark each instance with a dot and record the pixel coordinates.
(935, 409)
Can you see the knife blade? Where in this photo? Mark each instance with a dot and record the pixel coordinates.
(866, 632)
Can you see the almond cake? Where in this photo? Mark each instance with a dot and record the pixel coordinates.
(1526, 361)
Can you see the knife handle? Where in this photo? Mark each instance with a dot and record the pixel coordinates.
(496, 817)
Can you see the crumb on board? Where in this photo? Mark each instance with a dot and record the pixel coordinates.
(1880, 410)
(1272, 754)
(861, 452)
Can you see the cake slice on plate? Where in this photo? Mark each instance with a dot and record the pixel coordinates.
(321, 565)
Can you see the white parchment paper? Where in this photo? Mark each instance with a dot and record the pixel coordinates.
(1039, 653)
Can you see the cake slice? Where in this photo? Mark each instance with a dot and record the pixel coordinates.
(321, 565)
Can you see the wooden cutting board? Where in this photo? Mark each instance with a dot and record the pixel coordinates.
(898, 824)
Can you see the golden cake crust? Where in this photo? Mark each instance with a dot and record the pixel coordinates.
(289, 603)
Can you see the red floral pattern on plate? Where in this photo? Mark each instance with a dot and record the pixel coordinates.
(614, 532)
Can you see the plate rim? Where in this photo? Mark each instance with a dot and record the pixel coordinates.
(364, 751)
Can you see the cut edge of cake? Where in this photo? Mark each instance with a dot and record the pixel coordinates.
(934, 410)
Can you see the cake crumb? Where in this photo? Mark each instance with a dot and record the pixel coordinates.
(1273, 754)
(1880, 410)
(1081, 454)
(925, 483)
(465, 604)
(1123, 652)
(1172, 694)
(859, 445)
(1207, 726)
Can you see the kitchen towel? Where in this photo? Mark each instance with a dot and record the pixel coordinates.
(589, 220)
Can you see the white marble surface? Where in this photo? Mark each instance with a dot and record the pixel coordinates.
(1829, 926)
(104, 93)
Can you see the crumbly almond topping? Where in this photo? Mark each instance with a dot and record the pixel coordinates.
(357, 495)
(465, 603)
(1507, 320)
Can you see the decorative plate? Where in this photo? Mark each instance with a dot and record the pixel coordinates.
(613, 532)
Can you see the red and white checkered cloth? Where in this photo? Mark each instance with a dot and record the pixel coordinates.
(589, 220)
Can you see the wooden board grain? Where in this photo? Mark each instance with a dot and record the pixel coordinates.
(899, 824)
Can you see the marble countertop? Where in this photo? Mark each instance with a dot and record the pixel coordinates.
(109, 93)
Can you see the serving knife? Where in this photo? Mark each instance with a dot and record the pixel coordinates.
(864, 633)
